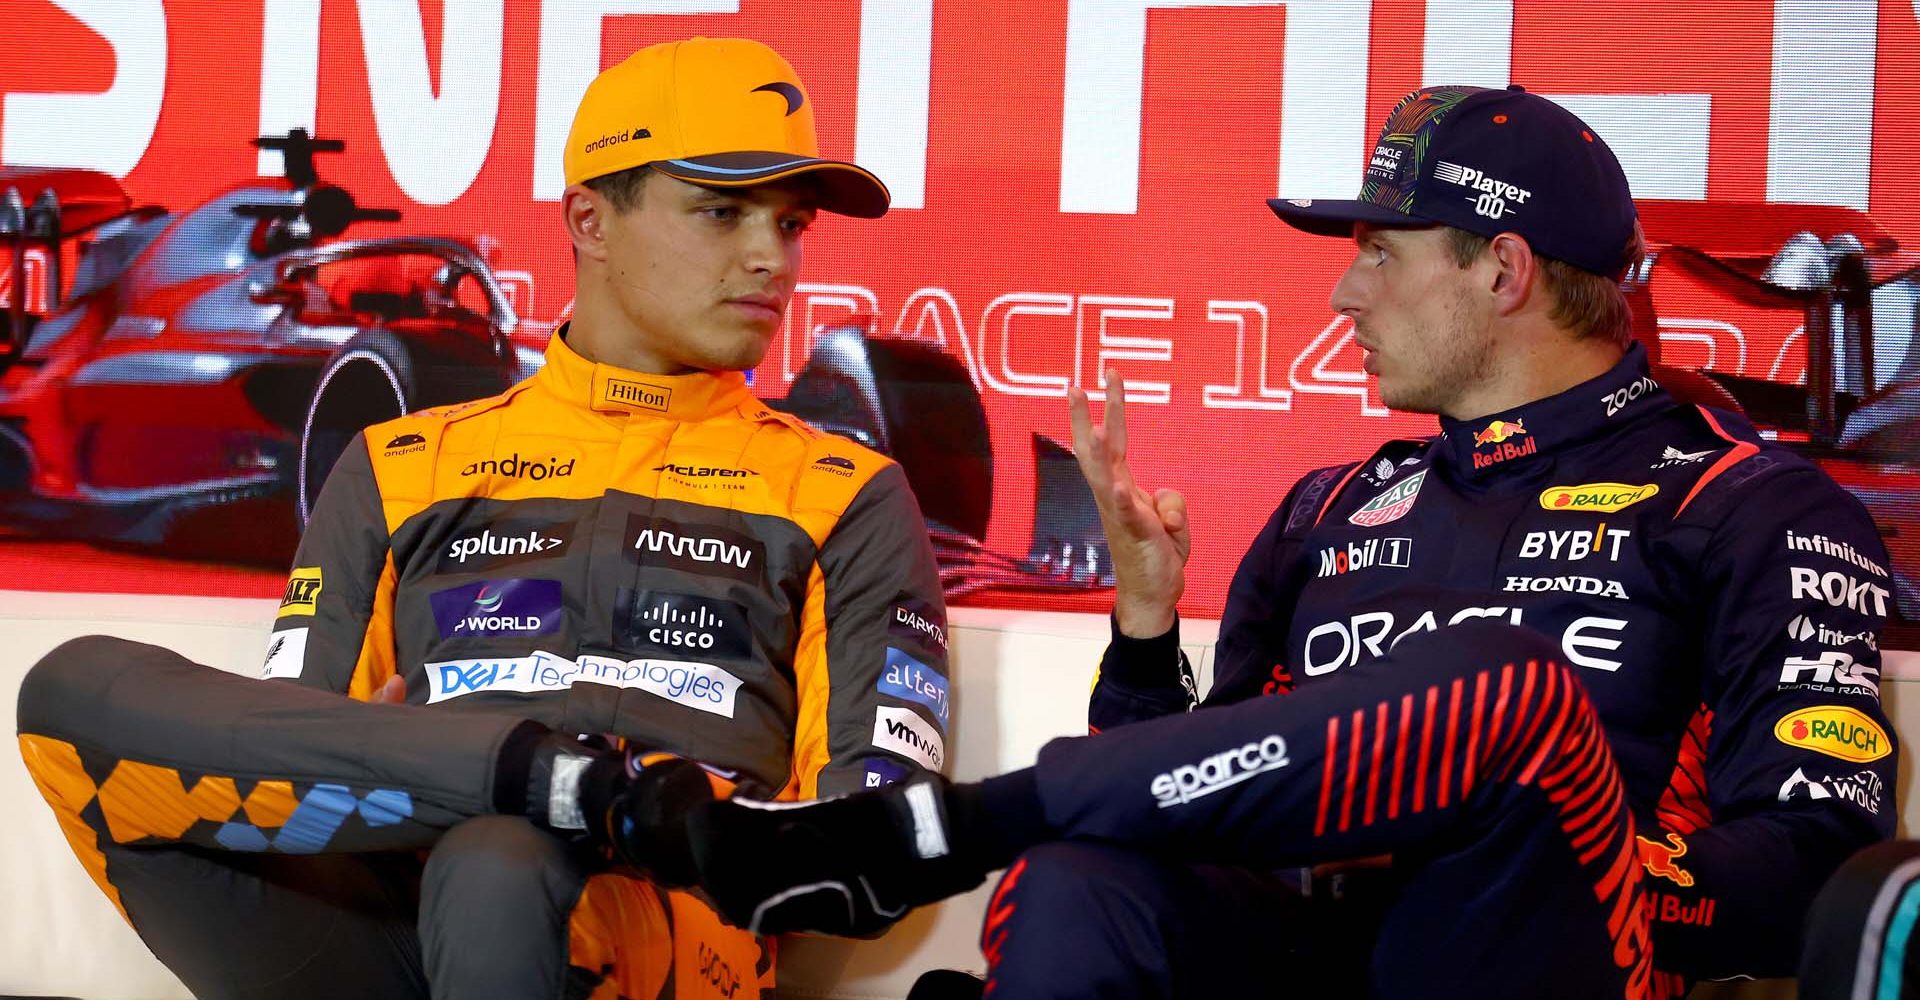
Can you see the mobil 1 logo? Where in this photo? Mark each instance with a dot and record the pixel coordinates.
(681, 626)
(705, 549)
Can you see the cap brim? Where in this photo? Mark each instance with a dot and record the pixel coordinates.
(845, 189)
(1336, 218)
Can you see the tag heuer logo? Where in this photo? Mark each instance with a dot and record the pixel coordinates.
(1391, 505)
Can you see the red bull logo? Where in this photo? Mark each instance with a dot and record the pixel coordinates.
(1659, 859)
(1498, 432)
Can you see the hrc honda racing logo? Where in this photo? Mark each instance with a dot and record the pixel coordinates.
(700, 686)
(1223, 770)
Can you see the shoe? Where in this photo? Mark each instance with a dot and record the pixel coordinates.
(947, 984)
(850, 865)
(642, 802)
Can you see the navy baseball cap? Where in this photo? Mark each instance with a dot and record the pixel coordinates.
(1489, 162)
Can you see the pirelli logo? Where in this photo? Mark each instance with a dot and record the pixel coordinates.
(303, 592)
(638, 394)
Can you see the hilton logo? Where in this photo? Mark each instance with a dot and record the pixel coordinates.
(651, 397)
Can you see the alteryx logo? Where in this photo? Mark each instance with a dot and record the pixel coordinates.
(497, 607)
(908, 678)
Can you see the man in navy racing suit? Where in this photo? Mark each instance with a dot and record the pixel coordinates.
(1597, 670)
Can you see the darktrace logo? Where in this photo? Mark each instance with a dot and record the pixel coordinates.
(503, 544)
(707, 477)
(912, 618)
(835, 465)
(497, 607)
(616, 138)
(406, 444)
(679, 625)
(515, 467)
(1223, 770)
(695, 548)
(640, 394)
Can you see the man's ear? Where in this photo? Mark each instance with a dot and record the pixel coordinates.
(587, 213)
(1515, 270)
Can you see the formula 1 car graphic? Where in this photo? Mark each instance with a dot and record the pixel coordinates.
(172, 392)
(1856, 411)
(191, 386)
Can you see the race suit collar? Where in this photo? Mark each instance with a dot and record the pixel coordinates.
(1484, 445)
(608, 389)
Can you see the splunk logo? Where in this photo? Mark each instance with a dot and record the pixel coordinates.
(1225, 769)
(503, 544)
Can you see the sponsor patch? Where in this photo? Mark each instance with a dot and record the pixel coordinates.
(881, 772)
(1603, 497)
(834, 465)
(707, 550)
(1805, 629)
(302, 595)
(1336, 560)
(505, 544)
(1839, 590)
(1659, 858)
(912, 618)
(1223, 770)
(1592, 586)
(1834, 730)
(405, 444)
(1392, 505)
(701, 686)
(514, 467)
(638, 395)
(681, 625)
(1618, 399)
(1862, 789)
(1674, 456)
(286, 653)
(707, 477)
(1842, 551)
(904, 732)
(497, 607)
(914, 681)
(1574, 545)
(1830, 671)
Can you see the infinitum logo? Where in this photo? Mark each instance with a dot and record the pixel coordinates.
(1223, 770)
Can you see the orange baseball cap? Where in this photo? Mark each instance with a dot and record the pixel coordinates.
(721, 112)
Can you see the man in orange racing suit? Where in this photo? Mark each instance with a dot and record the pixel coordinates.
(628, 544)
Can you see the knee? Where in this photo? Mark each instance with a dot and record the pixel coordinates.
(1063, 879)
(499, 858)
(71, 679)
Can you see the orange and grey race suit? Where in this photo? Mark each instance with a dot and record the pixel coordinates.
(660, 560)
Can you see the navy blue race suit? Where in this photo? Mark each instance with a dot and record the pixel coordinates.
(1718, 598)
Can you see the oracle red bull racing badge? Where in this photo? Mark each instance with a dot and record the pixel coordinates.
(1391, 505)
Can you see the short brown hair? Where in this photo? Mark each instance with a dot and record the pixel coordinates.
(622, 187)
(1589, 304)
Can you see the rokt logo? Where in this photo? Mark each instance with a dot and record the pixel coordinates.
(1834, 730)
(1187, 782)
(515, 467)
(1603, 497)
(302, 596)
(1840, 590)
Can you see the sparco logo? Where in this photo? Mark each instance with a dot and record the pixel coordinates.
(507, 545)
(1187, 782)
(695, 548)
(1840, 590)
(515, 467)
(1337, 559)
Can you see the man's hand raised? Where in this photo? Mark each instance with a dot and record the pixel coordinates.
(1147, 535)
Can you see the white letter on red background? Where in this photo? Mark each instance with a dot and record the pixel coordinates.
(434, 145)
(1820, 124)
(896, 67)
(569, 60)
(108, 131)
(289, 73)
(1323, 126)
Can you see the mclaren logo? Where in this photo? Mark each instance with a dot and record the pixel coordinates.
(795, 98)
